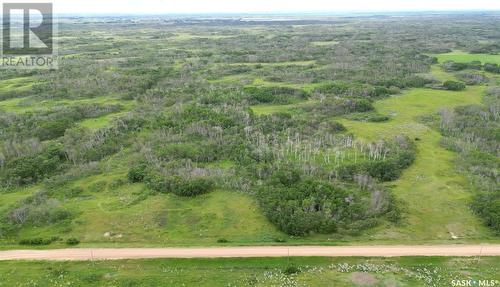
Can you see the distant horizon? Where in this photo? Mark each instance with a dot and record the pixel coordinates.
(217, 7)
(296, 13)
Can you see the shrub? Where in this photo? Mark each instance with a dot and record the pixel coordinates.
(37, 241)
(157, 182)
(73, 192)
(177, 185)
(32, 168)
(378, 118)
(290, 270)
(454, 86)
(308, 205)
(403, 154)
(38, 210)
(72, 241)
(278, 95)
(492, 68)
(137, 173)
(191, 187)
(222, 240)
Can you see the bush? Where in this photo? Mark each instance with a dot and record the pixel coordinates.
(37, 241)
(454, 86)
(191, 187)
(378, 118)
(32, 168)
(277, 95)
(279, 240)
(222, 240)
(492, 68)
(177, 185)
(38, 210)
(72, 241)
(137, 173)
(454, 66)
(290, 270)
(403, 154)
(308, 205)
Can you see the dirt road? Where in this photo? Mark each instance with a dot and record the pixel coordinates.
(260, 251)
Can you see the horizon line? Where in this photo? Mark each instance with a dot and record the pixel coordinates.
(285, 13)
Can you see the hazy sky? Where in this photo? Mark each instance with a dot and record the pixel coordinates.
(265, 6)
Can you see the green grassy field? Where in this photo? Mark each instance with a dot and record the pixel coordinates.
(430, 271)
(20, 84)
(464, 57)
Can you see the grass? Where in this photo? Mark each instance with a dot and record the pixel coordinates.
(278, 64)
(416, 271)
(324, 43)
(267, 109)
(132, 216)
(438, 73)
(436, 194)
(19, 85)
(464, 57)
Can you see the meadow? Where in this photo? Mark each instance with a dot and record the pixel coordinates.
(193, 134)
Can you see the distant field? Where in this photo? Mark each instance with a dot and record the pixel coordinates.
(463, 57)
(342, 272)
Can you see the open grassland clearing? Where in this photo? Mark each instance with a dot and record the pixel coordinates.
(464, 57)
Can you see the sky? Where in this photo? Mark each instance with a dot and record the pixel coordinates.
(263, 6)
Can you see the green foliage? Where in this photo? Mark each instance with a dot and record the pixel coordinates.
(38, 210)
(72, 241)
(302, 206)
(191, 187)
(137, 173)
(38, 241)
(290, 270)
(32, 168)
(177, 185)
(492, 68)
(403, 154)
(454, 86)
(276, 95)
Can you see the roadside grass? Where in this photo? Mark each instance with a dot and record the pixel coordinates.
(306, 271)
